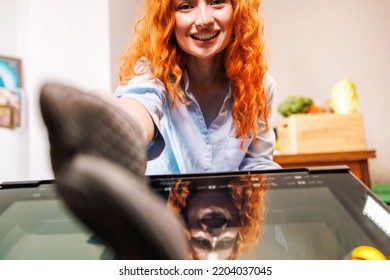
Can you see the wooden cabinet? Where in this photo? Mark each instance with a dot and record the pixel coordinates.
(356, 161)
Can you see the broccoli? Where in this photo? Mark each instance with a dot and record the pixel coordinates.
(294, 105)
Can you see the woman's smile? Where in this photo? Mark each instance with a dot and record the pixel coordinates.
(205, 37)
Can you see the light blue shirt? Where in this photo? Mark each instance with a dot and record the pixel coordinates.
(184, 144)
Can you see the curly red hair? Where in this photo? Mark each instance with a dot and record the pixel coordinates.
(245, 63)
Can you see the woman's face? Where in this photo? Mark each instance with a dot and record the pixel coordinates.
(203, 27)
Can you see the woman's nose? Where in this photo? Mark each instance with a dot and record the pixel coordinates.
(204, 16)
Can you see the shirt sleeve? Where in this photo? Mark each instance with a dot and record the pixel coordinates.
(260, 155)
(151, 94)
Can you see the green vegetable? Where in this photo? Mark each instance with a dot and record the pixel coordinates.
(294, 105)
(344, 98)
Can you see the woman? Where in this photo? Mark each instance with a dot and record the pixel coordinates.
(193, 94)
(196, 73)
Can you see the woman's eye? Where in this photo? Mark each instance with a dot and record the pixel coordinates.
(184, 6)
(226, 244)
(217, 2)
(201, 243)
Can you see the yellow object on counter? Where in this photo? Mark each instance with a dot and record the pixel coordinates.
(367, 253)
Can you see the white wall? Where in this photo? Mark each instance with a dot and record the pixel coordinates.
(69, 43)
(314, 44)
(65, 41)
(123, 14)
(14, 146)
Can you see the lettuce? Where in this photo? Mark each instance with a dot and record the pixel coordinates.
(344, 98)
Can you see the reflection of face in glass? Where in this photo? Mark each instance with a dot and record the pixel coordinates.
(222, 221)
(213, 225)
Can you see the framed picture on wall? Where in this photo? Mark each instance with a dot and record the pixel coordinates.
(6, 116)
(11, 108)
(10, 72)
(11, 93)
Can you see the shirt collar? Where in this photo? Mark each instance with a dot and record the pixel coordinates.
(186, 85)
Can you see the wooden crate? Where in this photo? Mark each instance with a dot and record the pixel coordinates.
(320, 133)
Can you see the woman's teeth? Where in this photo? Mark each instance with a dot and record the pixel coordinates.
(205, 37)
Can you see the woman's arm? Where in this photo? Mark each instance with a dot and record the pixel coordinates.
(141, 116)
